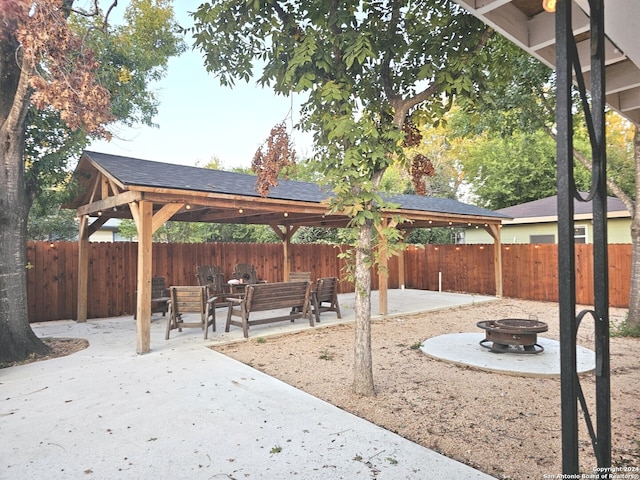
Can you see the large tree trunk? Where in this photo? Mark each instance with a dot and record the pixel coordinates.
(17, 340)
(634, 287)
(363, 365)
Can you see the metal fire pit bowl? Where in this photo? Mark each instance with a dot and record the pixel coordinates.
(512, 335)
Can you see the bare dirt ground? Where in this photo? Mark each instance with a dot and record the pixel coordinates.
(59, 347)
(504, 425)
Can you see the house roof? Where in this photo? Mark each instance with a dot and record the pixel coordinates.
(546, 209)
(111, 182)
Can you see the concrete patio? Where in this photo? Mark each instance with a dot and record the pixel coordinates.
(186, 411)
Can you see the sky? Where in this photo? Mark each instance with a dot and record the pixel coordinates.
(199, 119)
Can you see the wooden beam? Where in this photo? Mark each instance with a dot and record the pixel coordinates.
(279, 232)
(83, 269)
(109, 203)
(494, 231)
(95, 225)
(143, 313)
(231, 201)
(114, 187)
(164, 214)
(285, 234)
(95, 186)
(104, 185)
(135, 213)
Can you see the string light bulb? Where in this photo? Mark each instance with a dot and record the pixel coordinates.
(549, 5)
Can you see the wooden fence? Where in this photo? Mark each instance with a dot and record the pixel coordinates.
(529, 271)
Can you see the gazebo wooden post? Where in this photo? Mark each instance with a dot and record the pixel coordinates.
(83, 268)
(285, 233)
(143, 215)
(383, 272)
(401, 265)
(494, 231)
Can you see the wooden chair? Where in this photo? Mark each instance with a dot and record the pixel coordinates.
(211, 276)
(159, 297)
(299, 277)
(193, 300)
(326, 291)
(246, 274)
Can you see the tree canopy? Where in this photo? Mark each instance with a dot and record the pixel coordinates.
(57, 93)
(131, 57)
(367, 68)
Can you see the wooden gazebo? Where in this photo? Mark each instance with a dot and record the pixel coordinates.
(152, 193)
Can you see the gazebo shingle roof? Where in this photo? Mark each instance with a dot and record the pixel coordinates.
(133, 172)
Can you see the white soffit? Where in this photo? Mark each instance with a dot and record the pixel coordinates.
(525, 23)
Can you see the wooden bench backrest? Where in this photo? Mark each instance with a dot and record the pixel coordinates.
(188, 300)
(271, 296)
(326, 289)
(299, 276)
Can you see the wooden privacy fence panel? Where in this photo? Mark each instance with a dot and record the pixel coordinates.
(529, 271)
(451, 268)
(53, 267)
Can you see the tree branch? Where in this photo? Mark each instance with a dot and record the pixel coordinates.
(385, 75)
(629, 204)
(402, 106)
(105, 23)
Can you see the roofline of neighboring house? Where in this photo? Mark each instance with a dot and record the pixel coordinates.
(554, 218)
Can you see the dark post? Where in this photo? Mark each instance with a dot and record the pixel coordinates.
(567, 63)
(600, 242)
(566, 247)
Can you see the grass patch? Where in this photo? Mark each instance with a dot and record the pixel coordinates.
(623, 329)
(326, 355)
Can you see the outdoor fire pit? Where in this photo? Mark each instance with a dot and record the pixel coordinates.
(512, 335)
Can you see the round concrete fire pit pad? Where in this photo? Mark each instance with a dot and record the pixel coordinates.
(465, 349)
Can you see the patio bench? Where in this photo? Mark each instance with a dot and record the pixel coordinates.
(263, 297)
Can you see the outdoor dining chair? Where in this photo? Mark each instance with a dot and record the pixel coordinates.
(159, 298)
(244, 274)
(211, 276)
(326, 292)
(190, 300)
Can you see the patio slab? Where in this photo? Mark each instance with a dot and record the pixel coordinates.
(186, 411)
(400, 302)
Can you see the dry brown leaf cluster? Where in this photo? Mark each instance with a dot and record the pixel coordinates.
(276, 155)
(421, 167)
(61, 68)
